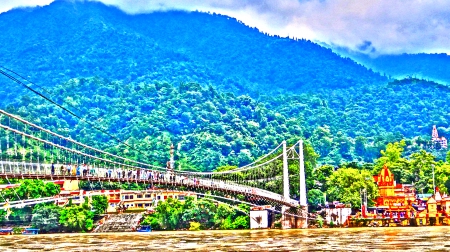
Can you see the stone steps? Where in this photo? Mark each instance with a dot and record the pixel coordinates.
(125, 222)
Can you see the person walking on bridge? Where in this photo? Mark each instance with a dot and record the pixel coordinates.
(119, 172)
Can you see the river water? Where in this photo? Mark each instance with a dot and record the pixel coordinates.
(339, 239)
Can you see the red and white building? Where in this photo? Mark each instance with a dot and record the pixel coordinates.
(436, 139)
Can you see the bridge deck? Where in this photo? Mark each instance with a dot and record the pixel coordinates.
(176, 181)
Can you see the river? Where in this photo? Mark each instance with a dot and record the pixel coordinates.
(339, 239)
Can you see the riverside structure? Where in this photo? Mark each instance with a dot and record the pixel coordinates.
(400, 205)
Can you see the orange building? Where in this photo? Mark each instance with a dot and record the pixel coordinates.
(397, 205)
(393, 196)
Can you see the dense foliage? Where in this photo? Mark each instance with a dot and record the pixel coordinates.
(29, 189)
(76, 218)
(209, 128)
(99, 204)
(46, 217)
(173, 214)
(49, 217)
(346, 183)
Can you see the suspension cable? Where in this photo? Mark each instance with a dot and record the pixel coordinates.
(67, 110)
(73, 141)
(64, 148)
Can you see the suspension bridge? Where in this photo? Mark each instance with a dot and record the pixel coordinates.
(29, 151)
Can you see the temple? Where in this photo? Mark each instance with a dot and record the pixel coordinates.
(394, 198)
(400, 205)
(435, 139)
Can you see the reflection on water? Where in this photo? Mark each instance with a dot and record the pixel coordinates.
(358, 239)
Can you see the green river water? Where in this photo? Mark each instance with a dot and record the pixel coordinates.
(339, 239)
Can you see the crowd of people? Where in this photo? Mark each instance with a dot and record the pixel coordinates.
(85, 170)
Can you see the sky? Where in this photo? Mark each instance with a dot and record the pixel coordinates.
(369, 26)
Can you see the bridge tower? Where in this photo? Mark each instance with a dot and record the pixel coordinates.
(302, 189)
(288, 221)
(285, 173)
(171, 162)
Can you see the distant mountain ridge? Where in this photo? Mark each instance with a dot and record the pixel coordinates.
(68, 39)
(430, 66)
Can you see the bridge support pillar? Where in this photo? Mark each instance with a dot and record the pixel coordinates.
(302, 189)
(295, 220)
(303, 220)
(286, 220)
(285, 173)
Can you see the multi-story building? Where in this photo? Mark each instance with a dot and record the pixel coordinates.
(122, 200)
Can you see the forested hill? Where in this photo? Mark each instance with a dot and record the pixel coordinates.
(68, 39)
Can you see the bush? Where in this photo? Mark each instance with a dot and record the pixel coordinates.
(17, 230)
(277, 225)
(194, 226)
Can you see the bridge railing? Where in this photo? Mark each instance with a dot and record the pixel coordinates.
(129, 175)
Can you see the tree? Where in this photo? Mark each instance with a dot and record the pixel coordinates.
(393, 159)
(222, 217)
(346, 184)
(421, 173)
(315, 197)
(46, 217)
(360, 146)
(321, 175)
(77, 218)
(173, 214)
(99, 203)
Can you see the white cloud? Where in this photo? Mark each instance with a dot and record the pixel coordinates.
(6, 5)
(383, 26)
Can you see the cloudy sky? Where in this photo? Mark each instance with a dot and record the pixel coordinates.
(375, 26)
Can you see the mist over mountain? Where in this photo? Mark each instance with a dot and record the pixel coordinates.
(226, 92)
(434, 66)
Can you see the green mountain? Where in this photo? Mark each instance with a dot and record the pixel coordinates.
(225, 92)
(69, 39)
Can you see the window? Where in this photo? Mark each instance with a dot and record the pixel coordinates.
(139, 196)
(148, 195)
(181, 197)
(131, 196)
(158, 197)
(139, 205)
(147, 205)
